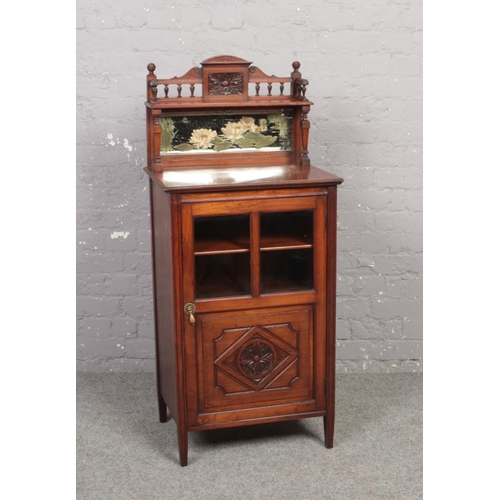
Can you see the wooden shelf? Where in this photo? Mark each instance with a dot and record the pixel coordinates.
(214, 290)
(275, 285)
(219, 246)
(269, 243)
(252, 102)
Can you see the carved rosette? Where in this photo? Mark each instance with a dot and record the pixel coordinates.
(225, 83)
(256, 359)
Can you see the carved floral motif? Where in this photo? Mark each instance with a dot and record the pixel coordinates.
(225, 83)
(256, 359)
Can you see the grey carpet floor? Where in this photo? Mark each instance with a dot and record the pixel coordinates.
(123, 452)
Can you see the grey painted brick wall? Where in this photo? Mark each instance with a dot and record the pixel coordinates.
(363, 59)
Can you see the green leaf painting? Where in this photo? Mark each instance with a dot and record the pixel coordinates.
(264, 141)
(244, 142)
(184, 147)
(221, 146)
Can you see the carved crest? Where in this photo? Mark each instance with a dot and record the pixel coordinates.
(225, 59)
(225, 83)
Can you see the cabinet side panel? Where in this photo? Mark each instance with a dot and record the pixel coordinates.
(331, 315)
(164, 301)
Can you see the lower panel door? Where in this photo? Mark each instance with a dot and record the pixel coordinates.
(256, 364)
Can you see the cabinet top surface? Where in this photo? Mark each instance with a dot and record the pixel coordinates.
(235, 177)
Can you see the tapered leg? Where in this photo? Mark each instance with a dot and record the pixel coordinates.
(182, 436)
(328, 425)
(162, 409)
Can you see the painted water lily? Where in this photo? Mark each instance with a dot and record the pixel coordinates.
(257, 129)
(202, 138)
(248, 122)
(234, 130)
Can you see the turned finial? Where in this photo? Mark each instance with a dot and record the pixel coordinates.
(151, 69)
(295, 66)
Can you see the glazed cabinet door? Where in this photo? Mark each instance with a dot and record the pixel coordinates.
(254, 302)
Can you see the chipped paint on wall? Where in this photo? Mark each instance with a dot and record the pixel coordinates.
(119, 234)
(127, 145)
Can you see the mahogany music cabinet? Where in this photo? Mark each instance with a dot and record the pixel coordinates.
(244, 250)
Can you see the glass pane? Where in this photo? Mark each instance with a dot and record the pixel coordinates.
(208, 134)
(222, 256)
(286, 270)
(222, 275)
(286, 230)
(225, 234)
